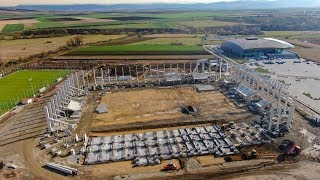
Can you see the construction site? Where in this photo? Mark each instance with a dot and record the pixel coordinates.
(168, 120)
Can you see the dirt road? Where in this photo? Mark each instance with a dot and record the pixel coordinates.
(33, 164)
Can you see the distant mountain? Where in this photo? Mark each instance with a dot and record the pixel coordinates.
(240, 4)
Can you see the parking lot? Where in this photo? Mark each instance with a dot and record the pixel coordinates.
(303, 77)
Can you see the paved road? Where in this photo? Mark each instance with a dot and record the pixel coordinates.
(311, 71)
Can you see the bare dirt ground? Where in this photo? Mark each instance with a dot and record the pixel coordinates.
(13, 49)
(1, 27)
(21, 21)
(124, 168)
(143, 105)
(209, 160)
(306, 50)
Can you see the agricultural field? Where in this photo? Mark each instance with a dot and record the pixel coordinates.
(151, 49)
(13, 49)
(12, 28)
(16, 24)
(129, 20)
(195, 40)
(138, 25)
(206, 23)
(21, 84)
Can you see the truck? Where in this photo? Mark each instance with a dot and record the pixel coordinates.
(289, 148)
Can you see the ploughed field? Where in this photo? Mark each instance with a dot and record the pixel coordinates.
(143, 49)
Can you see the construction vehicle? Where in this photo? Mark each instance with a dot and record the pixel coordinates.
(170, 167)
(250, 155)
(289, 148)
(315, 120)
(228, 126)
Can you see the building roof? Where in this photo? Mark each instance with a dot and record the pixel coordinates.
(265, 43)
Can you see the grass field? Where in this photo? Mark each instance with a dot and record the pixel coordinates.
(143, 49)
(137, 25)
(13, 28)
(206, 23)
(17, 85)
(184, 40)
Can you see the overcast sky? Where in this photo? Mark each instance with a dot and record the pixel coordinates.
(17, 2)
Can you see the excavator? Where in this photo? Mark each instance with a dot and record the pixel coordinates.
(170, 167)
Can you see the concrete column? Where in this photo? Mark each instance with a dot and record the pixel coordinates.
(279, 110)
(271, 118)
(291, 113)
(102, 77)
(109, 76)
(159, 81)
(137, 74)
(77, 78)
(115, 71)
(49, 126)
(286, 102)
(95, 80)
(220, 69)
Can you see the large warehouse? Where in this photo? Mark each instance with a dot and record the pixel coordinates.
(253, 47)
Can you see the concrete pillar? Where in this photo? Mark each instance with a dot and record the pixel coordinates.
(109, 76)
(286, 102)
(77, 78)
(73, 152)
(115, 71)
(95, 80)
(220, 69)
(159, 81)
(279, 109)
(271, 118)
(102, 77)
(291, 113)
(137, 74)
(83, 80)
(49, 126)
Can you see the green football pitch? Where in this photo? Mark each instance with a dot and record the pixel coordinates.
(23, 84)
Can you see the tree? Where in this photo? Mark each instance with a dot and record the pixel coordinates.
(78, 40)
(75, 41)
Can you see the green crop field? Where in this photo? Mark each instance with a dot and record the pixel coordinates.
(184, 41)
(143, 49)
(206, 23)
(13, 28)
(19, 85)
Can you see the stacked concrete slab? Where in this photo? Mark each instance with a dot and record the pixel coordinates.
(247, 135)
(152, 147)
